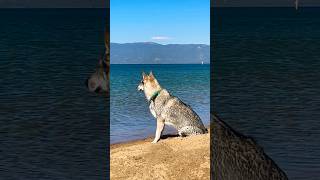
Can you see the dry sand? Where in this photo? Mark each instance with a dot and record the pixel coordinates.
(171, 158)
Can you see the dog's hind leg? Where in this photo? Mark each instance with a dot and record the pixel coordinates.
(190, 130)
(160, 126)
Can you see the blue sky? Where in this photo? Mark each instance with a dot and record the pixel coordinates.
(161, 21)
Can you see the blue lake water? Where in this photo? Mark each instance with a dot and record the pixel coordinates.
(51, 127)
(130, 117)
(266, 64)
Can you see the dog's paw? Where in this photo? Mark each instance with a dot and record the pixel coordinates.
(154, 142)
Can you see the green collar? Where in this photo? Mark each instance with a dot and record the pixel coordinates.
(154, 95)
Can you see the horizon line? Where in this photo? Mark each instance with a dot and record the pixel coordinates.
(150, 42)
(158, 64)
(220, 6)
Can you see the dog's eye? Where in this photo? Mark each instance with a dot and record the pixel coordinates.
(142, 82)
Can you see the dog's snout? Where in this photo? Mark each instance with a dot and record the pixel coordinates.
(139, 88)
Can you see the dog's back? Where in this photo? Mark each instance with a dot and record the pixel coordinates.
(178, 114)
(237, 157)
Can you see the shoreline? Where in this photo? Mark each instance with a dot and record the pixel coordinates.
(145, 139)
(172, 157)
(170, 133)
(149, 137)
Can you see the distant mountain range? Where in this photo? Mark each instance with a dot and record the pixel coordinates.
(154, 53)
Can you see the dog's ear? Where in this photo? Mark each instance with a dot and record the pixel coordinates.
(151, 75)
(144, 75)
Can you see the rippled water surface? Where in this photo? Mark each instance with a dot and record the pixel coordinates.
(51, 127)
(130, 117)
(266, 81)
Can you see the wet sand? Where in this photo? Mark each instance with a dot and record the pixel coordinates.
(171, 158)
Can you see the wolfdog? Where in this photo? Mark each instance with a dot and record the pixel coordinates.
(169, 110)
(99, 81)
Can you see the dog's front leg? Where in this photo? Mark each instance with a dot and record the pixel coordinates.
(160, 126)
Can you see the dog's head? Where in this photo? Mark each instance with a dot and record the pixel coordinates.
(148, 84)
(99, 81)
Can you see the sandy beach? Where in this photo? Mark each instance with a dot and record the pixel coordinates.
(171, 158)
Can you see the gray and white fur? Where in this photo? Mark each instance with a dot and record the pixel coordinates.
(169, 110)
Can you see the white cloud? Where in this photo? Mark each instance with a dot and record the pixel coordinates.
(160, 38)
